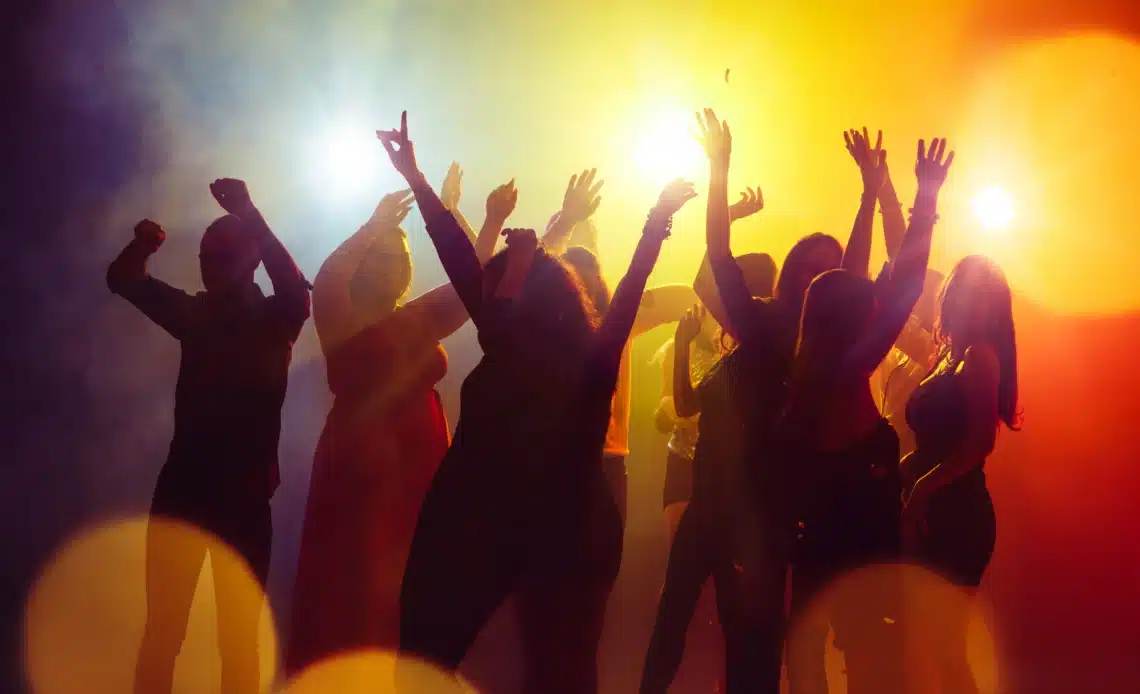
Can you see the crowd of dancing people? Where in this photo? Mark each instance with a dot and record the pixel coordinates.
(819, 420)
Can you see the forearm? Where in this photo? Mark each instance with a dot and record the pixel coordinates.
(557, 235)
(286, 277)
(451, 244)
(129, 266)
(857, 253)
(731, 287)
(619, 319)
(464, 224)
(894, 223)
(959, 462)
(909, 270)
(685, 401)
(487, 238)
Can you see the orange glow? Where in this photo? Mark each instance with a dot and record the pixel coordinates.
(1054, 122)
(84, 618)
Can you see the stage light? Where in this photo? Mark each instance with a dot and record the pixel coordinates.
(993, 207)
(347, 161)
(666, 150)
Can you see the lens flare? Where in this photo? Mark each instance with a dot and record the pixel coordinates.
(994, 208)
(83, 622)
(666, 150)
(376, 671)
(346, 161)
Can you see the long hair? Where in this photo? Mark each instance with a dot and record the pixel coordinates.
(589, 271)
(976, 305)
(794, 275)
(553, 299)
(837, 306)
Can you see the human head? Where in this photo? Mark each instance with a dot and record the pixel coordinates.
(976, 307)
(837, 308)
(384, 275)
(759, 270)
(553, 304)
(589, 270)
(812, 256)
(228, 256)
(926, 310)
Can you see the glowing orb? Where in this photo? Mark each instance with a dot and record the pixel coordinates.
(83, 621)
(376, 671)
(666, 150)
(993, 207)
(348, 161)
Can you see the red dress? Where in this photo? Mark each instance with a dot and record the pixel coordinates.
(381, 445)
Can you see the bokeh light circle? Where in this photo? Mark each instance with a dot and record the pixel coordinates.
(84, 618)
(925, 602)
(1053, 124)
(374, 671)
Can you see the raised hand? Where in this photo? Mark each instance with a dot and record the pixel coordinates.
(452, 188)
(399, 148)
(690, 325)
(673, 198)
(751, 201)
(233, 196)
(932, 165)
(521, 241)
(872, 161)
(392, 209)
(149, 234)
(501, 202)
(581, 199)
(715, 138)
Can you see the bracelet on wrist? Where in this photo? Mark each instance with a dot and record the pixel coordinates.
(655, 219)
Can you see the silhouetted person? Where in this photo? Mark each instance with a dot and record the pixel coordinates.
(222, 468)
(520, 502)
(843, 451)
(704, 545)
(948, 521)
(765, 331)
(384, 437)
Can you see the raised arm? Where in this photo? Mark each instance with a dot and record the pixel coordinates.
(900, 285)
(451, 243)
(685, 401)
(439, 311)
(168, 307)
(290, 288)
(618, 322)
(751, 201)
(734, 294)
(334, 315)
(450, 193)
(665, 416)
(872, 167)
(579, 202)
(894, 223)
(662, 305)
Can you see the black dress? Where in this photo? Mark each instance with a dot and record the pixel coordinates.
(961, 526)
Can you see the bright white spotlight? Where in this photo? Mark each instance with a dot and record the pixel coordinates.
(347, 160)
(666, 150)
(994, 208)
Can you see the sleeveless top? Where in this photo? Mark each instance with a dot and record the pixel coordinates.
(938, 414)
(683, 441)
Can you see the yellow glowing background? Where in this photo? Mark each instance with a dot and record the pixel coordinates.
(539, 90)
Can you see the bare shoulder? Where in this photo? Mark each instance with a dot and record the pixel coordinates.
(980, 364)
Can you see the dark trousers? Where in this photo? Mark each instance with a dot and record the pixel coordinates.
(555, 543)
(750, 602)
(238, 531)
